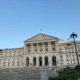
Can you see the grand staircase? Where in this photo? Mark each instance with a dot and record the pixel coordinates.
(23, 73)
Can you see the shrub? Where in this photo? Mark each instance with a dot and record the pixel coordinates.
(67, 67)
(60, 72)
(76, 67)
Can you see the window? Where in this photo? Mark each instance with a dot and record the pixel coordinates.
(72, 54)
(1, 54)
(61, 56)
(53, 49)
(13, 63)
(10, 54)
(9, 59)
(4, 59)
(61, 60)
(78, 50)
(6, 54)
(19, 52)
(73, 59)
(3, 64)
(41, 50)
(72, 49)
(8, 63)
(60, 50)
(35, 50)
(67, 60)
(46, 49)
(29, 51)
(67, 56)
(66, 50)
(18, 59)
(14, 59)
(14, 53)
(18, 64)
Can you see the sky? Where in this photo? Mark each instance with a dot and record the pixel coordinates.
(23, 19)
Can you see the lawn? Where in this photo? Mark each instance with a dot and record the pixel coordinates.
(66, 75)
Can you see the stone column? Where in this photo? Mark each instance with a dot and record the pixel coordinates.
(49, 46)
(57, 59)
(43, 46)
(37, 47)
(56, 45)
(43, 63)
(37, 61)
(30, 62)
(31, 48)
(50, 61)
(25, 49)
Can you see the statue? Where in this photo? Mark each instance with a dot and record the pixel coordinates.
(44, 74)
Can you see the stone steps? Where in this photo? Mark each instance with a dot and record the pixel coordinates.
(23, 73)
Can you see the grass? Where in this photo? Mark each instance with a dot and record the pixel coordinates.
(64, 76)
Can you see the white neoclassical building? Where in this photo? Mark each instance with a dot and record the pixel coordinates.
(40, 50)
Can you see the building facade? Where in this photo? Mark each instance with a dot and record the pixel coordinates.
(40, 50)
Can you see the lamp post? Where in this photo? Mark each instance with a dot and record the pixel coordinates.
(75, 35)
(69, 51)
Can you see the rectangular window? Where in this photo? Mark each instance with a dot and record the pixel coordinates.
(9, 59)
(60, 56)
(10, 54)
(14, 53)
(66, 50)
(78, 50)
(67, 60)
(3, 64)
(6, 54)
(60, 50)
(4, 59)
(14, 59)
(18, 64)
(1, 54)
(67, 55)
(13, 63)
(72, 50)
(73, 59)
(19, 52)
(8, 63)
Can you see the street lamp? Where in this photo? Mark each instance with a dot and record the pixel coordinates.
(75, 35)
(69, 51)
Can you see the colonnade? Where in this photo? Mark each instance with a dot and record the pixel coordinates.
(41, 47)
(40, 61)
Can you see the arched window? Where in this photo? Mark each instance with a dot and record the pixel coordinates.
(46, 60)
(34, 61)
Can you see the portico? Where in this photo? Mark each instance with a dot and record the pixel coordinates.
(41, 50)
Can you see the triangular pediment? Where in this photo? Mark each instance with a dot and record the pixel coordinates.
(40, 37)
